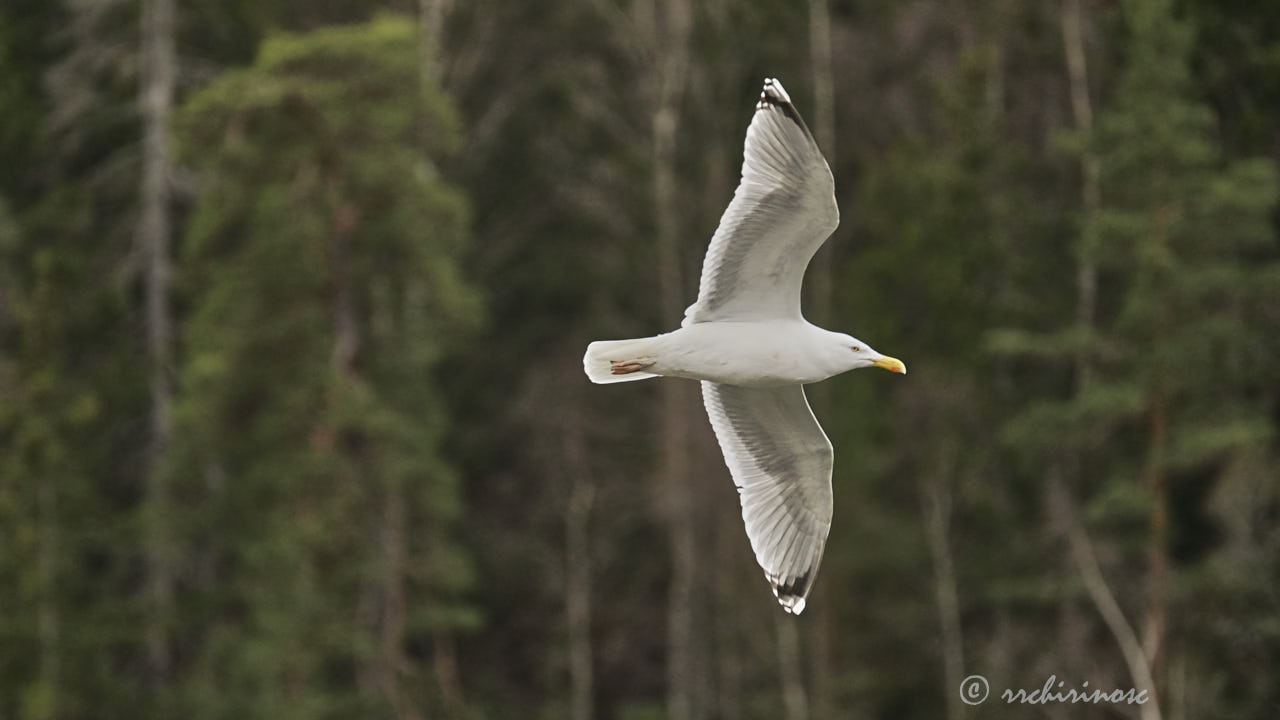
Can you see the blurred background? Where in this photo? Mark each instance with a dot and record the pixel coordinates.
(294, 295)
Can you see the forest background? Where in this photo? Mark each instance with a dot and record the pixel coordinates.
(294, 293)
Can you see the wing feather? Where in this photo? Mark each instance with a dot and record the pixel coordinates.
(782, 211)
(781, 463)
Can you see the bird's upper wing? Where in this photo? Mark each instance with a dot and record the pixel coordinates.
(781, 213)
(781, 463)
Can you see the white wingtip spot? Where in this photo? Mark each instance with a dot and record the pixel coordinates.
(773, 89)
(793, 605)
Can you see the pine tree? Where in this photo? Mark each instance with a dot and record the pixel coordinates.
(320, 271)
(71, 383)
(1186, 267)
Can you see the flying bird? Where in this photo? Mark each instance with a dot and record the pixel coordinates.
(746, 340)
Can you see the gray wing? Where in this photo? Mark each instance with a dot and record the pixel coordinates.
(781, 213)
(781, 463)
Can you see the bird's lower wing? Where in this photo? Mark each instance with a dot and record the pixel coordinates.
(781, 463)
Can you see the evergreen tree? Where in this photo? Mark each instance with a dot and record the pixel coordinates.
(321, 277)
(1178, 356)
(71, 388)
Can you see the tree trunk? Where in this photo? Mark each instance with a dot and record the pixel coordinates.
(672, 23)
(1061, 500)
(393, 546)
(445, 660)
(731, 646)
(673, 466)
(821, 281)
(1082, 111)
(1086, 564)
(824, 131)
(937, 516)
(794, 700)
(578, 571)
(386, 592)
(431, 15)
(577, 597)
(156, 99)
(346, 329)
(431, 20)
(1157, 559)
(47, 613)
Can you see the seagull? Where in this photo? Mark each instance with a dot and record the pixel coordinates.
(746, 340)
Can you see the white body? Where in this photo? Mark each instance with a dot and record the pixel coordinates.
(764, 353)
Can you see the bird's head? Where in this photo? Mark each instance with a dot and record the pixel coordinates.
(862, 355)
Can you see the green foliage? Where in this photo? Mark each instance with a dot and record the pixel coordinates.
(68, 467)
(1191, 242)
(1183, 244)
(323, 287)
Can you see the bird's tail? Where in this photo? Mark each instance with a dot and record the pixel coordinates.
(614, 361)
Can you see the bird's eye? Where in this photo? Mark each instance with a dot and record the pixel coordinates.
(855, 348)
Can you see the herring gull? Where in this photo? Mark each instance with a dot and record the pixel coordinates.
(746, 340)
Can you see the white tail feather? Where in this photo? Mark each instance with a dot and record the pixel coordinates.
(598, 362)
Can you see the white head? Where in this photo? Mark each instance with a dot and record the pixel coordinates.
(861, 355)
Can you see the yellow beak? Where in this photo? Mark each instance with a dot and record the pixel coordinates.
(891, 364)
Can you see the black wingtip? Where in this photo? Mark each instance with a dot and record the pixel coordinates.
(774, 95)
(791, 595)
